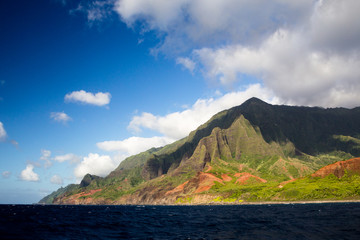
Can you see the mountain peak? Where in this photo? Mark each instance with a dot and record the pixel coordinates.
(254, 102)
(271, 142)
(88, 178)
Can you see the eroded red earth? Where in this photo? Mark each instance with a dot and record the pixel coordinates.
(339, 168)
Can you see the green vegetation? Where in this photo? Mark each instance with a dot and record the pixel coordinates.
(49, 199)
(184, 200)
(330, 187)
(308, 188)
(248, 192)
(226, 200)
(275, 143)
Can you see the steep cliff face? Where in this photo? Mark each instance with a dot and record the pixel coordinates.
(88, 179)
(255, 143)
(225, 150)
(240, 138)
(311, 131)
(229, 146)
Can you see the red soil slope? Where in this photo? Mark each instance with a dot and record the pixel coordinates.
(338, 168)
(206, 181)
(178, 189)
(226, 177)
(244, 177)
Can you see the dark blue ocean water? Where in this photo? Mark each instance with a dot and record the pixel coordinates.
(286, 221)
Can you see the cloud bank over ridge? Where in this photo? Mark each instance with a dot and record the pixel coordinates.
(177, 125)
(306, 52)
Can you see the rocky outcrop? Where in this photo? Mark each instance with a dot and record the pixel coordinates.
(88, 179)
(350, 166)
(241, 138)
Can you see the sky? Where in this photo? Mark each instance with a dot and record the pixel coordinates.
(85, 84)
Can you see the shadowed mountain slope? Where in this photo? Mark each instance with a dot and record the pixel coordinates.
(254, 141)
(311, 130)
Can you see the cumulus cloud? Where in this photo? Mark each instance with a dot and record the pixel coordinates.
(204, 22)
(177, 125)
(72, 158)
(98, 99)
(307, 52)
(333, 26)
(157, 13)
(29, 175)
(6, 174)
(96, 164)
(290, 68)
(134, 145)
(60, 117)
(56, 179)
(3, 134)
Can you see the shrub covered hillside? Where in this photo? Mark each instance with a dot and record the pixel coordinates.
(252, 152)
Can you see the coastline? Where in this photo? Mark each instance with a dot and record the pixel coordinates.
(210, 203)
(299, 202)
(258, 203)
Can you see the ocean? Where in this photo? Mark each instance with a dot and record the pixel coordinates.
(275, 221)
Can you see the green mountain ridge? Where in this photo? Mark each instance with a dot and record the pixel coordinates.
(252, 146)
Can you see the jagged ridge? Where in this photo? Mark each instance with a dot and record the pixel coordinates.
(273, 142)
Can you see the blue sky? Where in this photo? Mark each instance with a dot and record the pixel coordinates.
(84, 84)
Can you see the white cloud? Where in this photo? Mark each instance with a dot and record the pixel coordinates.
(174, 125)
(96, 164)
(3, 134)
(72, 158)
(98, 99)
(56, 179)
(60, 117)
(190, 23)
(28, 174)
(134, 145)
(6, 174)
(179, 124)
(45, 156)
(333, 25)
(158, 13)
(290, 68)
(307, 52)
(187, 63)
